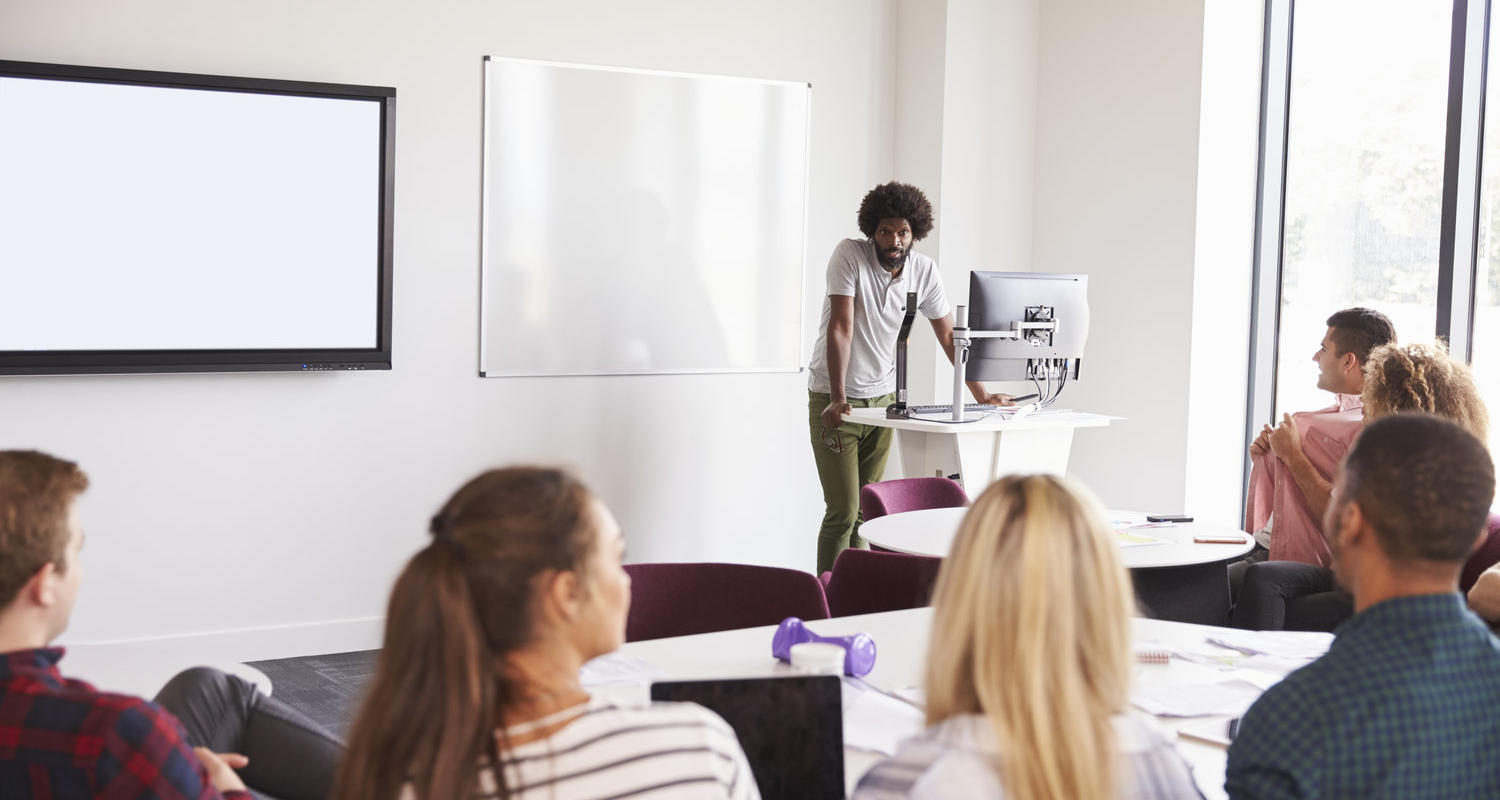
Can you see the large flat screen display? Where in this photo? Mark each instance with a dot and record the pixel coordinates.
(163, 222)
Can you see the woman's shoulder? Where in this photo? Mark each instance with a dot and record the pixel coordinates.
(956, 758)
(634, 748)
(656, 710)
(647, 718)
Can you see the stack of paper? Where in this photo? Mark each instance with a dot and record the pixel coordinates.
(876, 721)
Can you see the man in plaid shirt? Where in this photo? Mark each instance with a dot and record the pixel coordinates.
(62, 738)
(1404, 703)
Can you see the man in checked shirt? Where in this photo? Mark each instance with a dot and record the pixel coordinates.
(62, 738)
(1403, 704)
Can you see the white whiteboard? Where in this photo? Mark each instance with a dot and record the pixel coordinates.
(640, 222)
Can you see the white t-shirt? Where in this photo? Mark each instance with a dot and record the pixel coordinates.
(655, 751)
(879, 304)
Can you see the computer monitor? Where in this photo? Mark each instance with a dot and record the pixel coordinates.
(998, 300)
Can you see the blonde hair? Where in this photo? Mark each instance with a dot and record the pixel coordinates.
(1420, 377)
(1031, 628)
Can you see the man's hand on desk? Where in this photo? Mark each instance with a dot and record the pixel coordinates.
(983, 395)
(833, 414)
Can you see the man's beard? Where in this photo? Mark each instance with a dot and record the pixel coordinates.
(891, 264)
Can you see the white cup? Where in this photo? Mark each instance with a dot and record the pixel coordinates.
(818, 658)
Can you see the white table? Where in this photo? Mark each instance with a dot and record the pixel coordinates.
(901, 641)
(930, 532)
(1177, 578)
(982, 451)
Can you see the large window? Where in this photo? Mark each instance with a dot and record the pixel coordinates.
(1486, 339)
(1364, 174)
(1371, 191)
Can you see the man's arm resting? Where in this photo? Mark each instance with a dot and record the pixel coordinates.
(146, 754)
(840, 326)
(1484, 597)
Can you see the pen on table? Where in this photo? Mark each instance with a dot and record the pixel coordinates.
(1218, 540)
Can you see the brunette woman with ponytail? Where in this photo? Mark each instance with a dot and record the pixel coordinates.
(477, 691)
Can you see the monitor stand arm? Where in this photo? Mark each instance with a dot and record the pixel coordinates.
(898, 409)
(963, 338)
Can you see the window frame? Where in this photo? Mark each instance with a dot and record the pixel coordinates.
(1463, 169)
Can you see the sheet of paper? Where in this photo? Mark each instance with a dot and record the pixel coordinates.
(876, 722)
(614, 669)
(1130, 539)
(914, 695)
(1196, 700)
(1285, 644)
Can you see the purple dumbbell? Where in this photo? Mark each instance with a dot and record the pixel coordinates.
(859, 649)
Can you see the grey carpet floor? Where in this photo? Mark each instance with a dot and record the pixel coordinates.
(326, 688)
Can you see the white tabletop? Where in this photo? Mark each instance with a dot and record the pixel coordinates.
(930, 532)
(901, 642)
(989, 423)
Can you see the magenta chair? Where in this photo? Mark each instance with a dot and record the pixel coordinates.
(682, 599)
(909, 494)
(865, 581)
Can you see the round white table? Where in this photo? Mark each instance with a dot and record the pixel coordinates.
(930, 532)
(1175, 578)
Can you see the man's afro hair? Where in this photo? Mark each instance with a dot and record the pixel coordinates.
(896, 201)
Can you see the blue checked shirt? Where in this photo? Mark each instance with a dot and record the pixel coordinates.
(1406, 704)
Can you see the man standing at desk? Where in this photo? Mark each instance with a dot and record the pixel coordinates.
(854, 360)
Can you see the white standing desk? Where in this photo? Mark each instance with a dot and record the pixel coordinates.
(930, 532)
(901, 643)
(983, 451)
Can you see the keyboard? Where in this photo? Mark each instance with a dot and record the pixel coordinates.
(948, 409)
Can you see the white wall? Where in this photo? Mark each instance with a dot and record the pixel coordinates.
(1117, 158)
(231, 502)
(1061, 136)
(917, 127)
(989, 145)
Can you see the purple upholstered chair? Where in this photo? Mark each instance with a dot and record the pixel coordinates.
(681, 599)
(864, 581)
(909, 494)
(1486, 555)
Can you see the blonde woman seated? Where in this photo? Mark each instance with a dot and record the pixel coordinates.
(1028, 670)
(476, 693)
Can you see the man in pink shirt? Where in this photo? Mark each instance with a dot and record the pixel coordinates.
(1294, 464)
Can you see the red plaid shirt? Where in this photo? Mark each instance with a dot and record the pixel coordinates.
(63, 738)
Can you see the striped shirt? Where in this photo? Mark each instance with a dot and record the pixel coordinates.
(655, 751)
(957, 758)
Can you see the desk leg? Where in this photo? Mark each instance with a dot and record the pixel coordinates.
(915, 457)
(982, 457)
